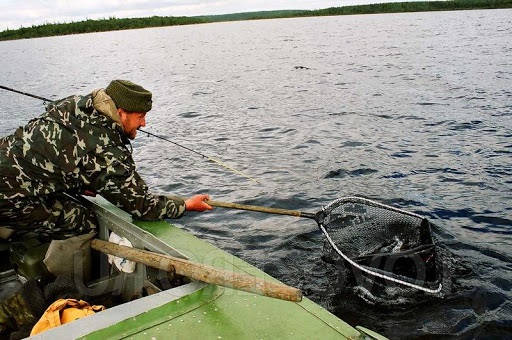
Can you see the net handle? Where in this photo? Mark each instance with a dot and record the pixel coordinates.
(268, 210)
(279, 211)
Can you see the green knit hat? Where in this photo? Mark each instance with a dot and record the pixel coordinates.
(129, 96)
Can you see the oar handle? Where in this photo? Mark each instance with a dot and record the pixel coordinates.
(260, 209)
(201, 272)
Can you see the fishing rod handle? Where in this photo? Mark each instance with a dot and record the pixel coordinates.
(259, 208)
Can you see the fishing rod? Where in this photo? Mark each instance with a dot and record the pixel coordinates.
(25, 93)
(211, 159)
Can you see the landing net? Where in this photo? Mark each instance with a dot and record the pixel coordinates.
(381, 241)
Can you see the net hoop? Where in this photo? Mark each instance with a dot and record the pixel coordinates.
(363, 268)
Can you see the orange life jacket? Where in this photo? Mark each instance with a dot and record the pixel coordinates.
(63, 311)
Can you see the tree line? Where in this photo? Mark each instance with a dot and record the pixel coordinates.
(89, 25)
(112, 24)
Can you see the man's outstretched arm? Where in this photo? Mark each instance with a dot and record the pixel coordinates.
(120, 183)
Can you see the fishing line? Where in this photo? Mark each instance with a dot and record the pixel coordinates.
(211, 159)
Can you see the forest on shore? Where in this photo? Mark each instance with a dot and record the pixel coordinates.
(112, 24)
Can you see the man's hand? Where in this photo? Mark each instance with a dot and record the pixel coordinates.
(197, 203)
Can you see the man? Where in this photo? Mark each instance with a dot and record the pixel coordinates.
(80, 145)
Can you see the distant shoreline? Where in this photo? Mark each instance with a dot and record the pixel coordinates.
(114, 24)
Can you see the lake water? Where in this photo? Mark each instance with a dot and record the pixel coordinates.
(410, 109)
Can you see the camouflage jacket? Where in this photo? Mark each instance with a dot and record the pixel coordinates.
(76, 145)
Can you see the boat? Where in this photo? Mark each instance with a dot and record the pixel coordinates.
(192, 309)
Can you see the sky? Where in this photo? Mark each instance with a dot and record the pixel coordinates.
(17, 13)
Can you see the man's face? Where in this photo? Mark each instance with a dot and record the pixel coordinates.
(131, 121)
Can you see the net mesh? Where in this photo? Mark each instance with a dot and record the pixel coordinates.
(380, 238)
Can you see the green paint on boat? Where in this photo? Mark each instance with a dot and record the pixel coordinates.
(214, 312)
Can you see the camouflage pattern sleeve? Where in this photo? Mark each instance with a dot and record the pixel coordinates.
(72, 147)
(112, 174)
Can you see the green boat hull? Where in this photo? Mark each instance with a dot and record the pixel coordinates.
(198, 310)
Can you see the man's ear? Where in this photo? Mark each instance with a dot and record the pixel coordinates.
(122, 113)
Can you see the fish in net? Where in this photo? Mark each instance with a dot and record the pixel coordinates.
(383, 245)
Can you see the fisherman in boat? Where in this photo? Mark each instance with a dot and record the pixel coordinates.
(80, 145)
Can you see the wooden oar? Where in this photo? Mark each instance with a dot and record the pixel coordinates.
(200, 272)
